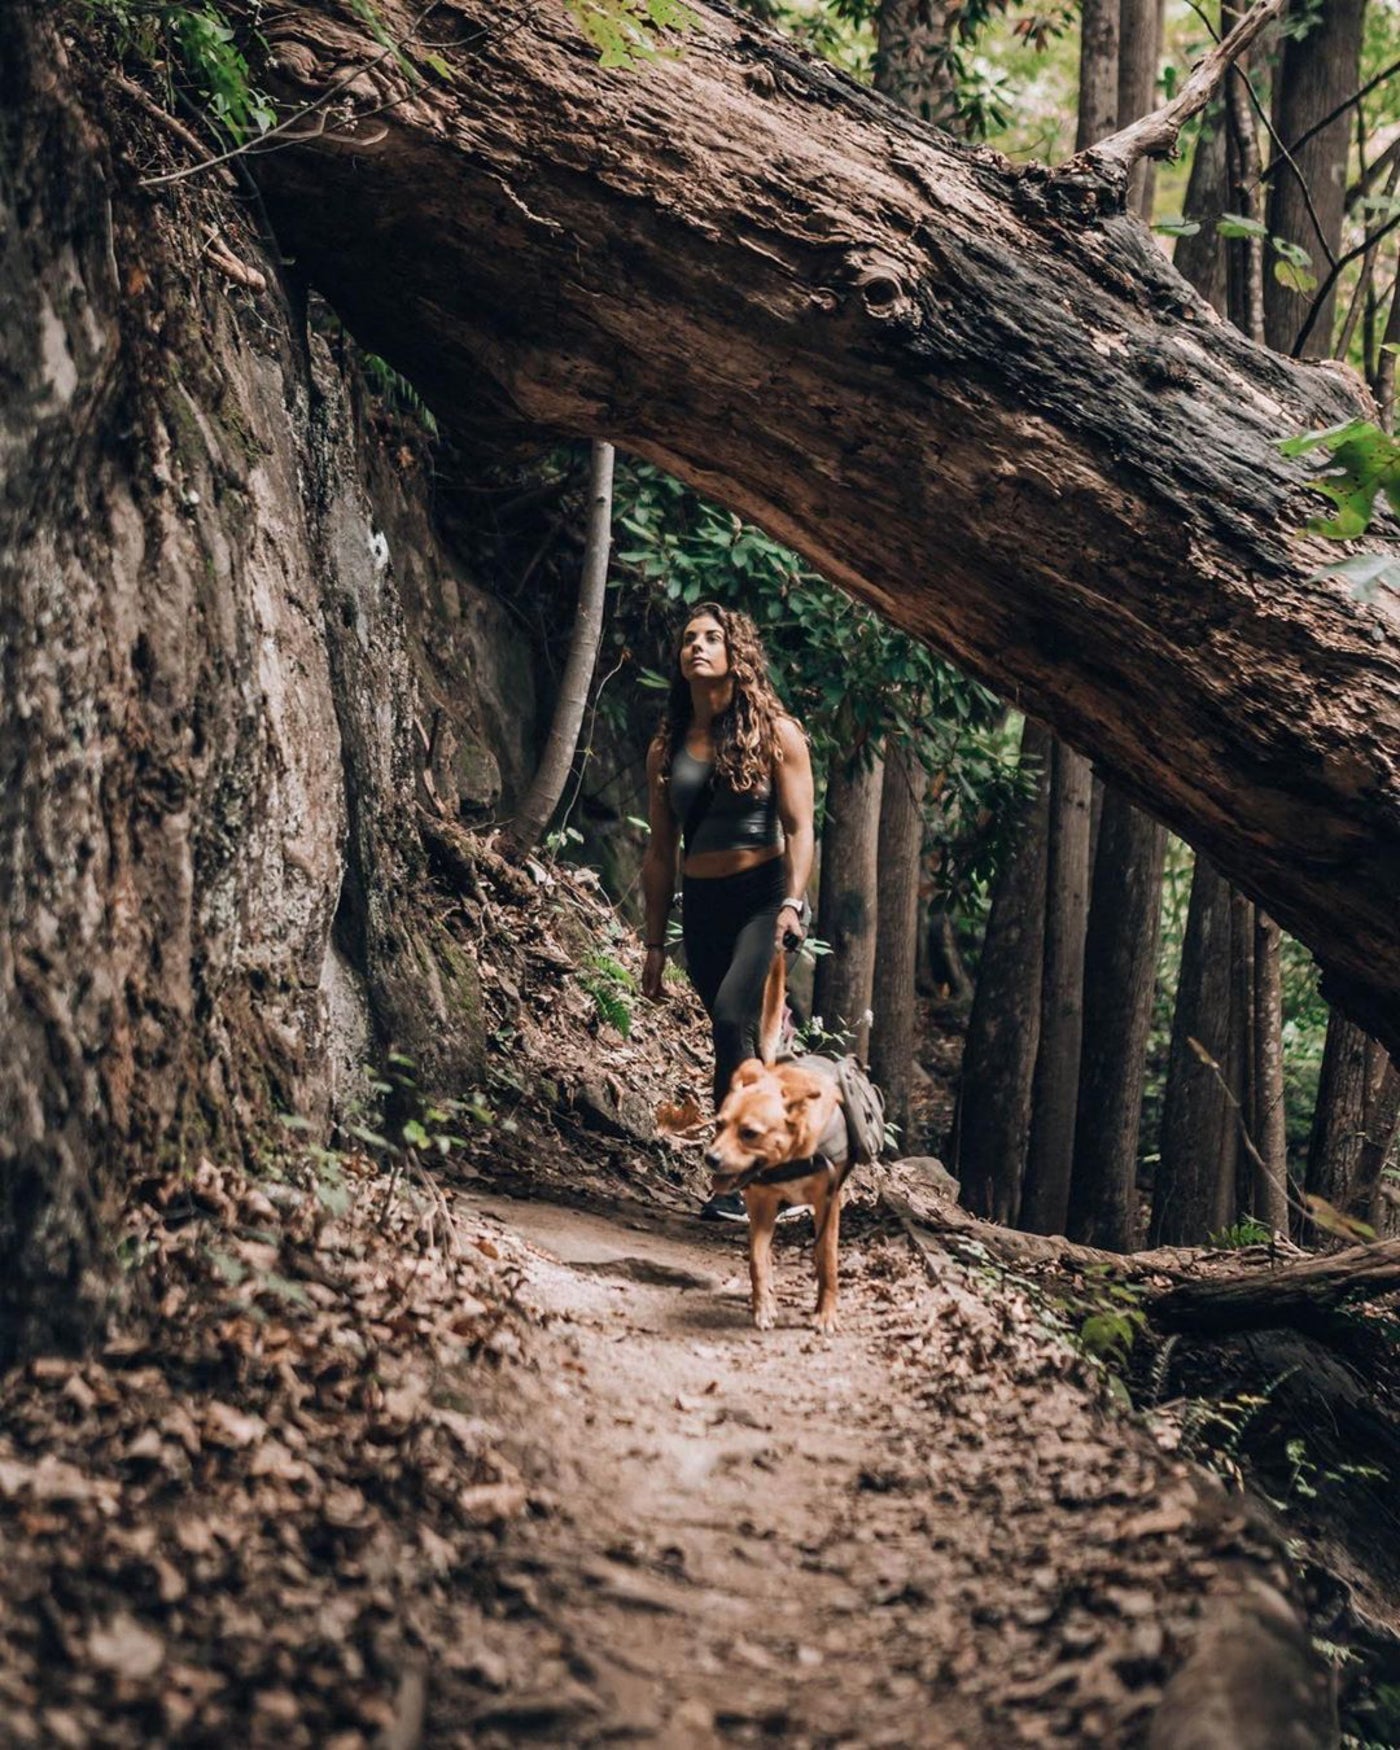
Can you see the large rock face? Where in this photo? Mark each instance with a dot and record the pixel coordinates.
(213, 729)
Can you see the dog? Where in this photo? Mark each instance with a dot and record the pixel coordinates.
(775, 1136)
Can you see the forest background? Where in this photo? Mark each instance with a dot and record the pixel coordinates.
(1249, 1069)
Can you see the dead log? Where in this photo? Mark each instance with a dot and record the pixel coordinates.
(1297, 1293)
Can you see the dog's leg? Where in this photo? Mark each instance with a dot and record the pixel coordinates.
(762, 1216)
(827, 1215)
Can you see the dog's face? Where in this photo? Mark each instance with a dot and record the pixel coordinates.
(769, 1116)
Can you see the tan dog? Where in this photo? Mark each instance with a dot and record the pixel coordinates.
(774, 1118)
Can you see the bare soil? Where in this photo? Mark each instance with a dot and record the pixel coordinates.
(931, 1529)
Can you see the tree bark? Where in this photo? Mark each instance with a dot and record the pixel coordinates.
(1050, 1153)
(846, 907)
(1120, 978)
(1339, 1117)
(900, 862)
(960, 352)
(1319, 67)
(1003, 1031)
(1270, 1172)
(1290, 1294)
(1198, 1127)
(542, 798)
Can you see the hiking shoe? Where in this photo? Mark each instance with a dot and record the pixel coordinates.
(793, 1211)
(724, 1206)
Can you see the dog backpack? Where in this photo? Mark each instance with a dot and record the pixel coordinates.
(864, 1108)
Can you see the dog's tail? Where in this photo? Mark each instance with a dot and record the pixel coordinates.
(774, 996)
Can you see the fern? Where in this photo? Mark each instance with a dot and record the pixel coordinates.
(610, 984)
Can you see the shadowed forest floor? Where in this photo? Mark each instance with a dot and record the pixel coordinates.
(383, 1456)
(930, 1529)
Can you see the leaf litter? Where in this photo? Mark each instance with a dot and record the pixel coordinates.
(390, 1460)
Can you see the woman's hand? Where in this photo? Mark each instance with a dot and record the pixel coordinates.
(653, 975)
(788, 931)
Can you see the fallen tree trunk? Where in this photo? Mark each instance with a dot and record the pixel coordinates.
(996, 415)
(1292, 1294)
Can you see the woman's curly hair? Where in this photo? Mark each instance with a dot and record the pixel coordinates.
(746, 732)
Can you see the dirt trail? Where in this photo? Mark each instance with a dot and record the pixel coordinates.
(926, 1530)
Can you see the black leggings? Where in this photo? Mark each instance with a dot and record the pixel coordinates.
(727, 925)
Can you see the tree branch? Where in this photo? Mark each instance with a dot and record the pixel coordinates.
(1155, 135)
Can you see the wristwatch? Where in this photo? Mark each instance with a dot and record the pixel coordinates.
(801, 907)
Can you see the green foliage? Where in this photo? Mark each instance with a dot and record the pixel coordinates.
(195, 49)
(625, 32)
(851, 678)
(1247, 1232)
(397, 392)
(611, 986)
(1107, 1318)
(1363, 462)
(406, 1119)
(847, 674)
(1293, 267)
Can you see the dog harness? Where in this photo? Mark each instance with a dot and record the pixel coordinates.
(854, 1133)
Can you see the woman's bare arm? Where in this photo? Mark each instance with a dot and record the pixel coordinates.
(792, 777)
(658, 871)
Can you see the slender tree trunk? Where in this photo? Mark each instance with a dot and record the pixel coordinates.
(1003, 1033)
(1129, 850)
(1139, 50)
(1237, 1165)
(893, 1035)
(846, 911)
(912, 61)
(1120, 977)
(1270, 1199)
(1198, 1123)
(1050, 1154)
(1319, 67)
(1099, 35)
(1382, 1120)
(913, 67)
(1339, 1118)
(544, 794)
(1244, 255)
(1201, 257)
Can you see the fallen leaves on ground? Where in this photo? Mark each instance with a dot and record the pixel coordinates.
(245, 1520)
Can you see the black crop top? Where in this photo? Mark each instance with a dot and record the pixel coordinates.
(734, 820)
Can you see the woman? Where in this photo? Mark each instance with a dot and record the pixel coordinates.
(729, 789)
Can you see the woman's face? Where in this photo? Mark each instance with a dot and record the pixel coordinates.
(704, 654)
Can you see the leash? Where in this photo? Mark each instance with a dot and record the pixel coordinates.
(787, 1170)
(803, 1169)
